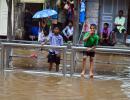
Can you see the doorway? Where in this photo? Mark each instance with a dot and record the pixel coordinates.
(109, 10)
(34, 7)
(29, 22)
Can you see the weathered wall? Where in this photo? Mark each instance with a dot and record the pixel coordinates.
(3, 17)
(92, 11)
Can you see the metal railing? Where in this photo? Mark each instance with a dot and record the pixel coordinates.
(98, 50)
(5, 55)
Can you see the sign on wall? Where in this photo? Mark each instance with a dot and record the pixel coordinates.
(3, 17)
(32, 1)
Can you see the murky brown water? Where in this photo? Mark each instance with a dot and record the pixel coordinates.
(111, 81)
(24, 86)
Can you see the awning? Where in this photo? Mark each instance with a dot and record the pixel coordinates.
(32, 1)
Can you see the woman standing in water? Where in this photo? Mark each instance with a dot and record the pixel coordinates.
(90, 41)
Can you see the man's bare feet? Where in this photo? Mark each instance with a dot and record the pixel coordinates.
(91, 75)
(82, 75)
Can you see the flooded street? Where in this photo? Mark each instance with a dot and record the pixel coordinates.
(67, 30)
(111, 80)
(24, 86)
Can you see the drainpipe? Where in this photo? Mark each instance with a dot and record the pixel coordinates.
(9, 31)
(76, 21)
(9, 23)
(13, 34)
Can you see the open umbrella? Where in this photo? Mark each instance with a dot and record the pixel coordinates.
(44, 13)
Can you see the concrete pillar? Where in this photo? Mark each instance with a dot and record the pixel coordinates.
(76, 21)
(9, 27)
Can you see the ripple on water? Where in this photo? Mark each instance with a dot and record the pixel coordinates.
(36, 86)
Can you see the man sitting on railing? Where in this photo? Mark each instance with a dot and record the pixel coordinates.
(119, 23)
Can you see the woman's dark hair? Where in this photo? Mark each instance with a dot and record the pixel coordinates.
(41, 23)
(106, 24)
(45, 32)
(94, 25)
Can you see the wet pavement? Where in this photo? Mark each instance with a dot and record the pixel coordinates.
(111, 80)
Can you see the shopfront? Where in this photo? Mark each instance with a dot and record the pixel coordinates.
(21, 7)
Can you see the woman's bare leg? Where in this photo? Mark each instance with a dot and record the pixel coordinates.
(91, 66)
(57, 67)
(83, 67)
(50, 66)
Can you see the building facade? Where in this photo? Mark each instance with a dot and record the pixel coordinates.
(98, 12)
(3, 17)
(101, 11)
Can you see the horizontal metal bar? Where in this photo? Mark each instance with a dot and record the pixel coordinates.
(112, 47)
(102, 49)
(32, 45)
(24, 41)
(36, 42)
(108, 62)
(24, 56)
(20, 41)
(18, 45)
(114, 63)
(115, 53)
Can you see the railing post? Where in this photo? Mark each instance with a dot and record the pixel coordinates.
(8, 52)
(72, 62)
(2, 57)
(64, 61)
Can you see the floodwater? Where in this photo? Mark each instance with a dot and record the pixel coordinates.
(24, 86)
(111, 80)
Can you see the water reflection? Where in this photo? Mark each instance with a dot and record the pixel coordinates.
(24, 86)
(111, 81)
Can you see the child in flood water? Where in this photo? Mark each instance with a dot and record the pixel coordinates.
(54, 55)
(90, 41)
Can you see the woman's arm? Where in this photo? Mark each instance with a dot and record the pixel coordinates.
(71, 32)
(101, 35)
(86, 39)
(93, 48)
(95, 44)
(64, 31)
(61, 41)
(39, 37)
